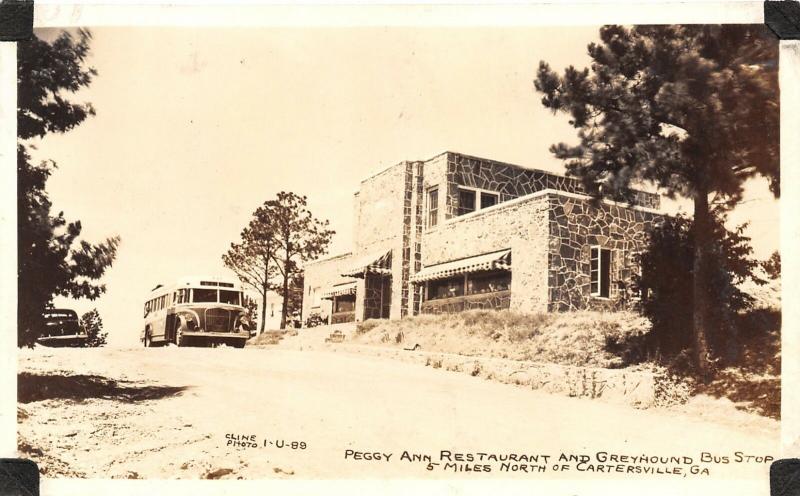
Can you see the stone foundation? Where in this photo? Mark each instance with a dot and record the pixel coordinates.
(631, 386)
(488, 301)
(343, 317)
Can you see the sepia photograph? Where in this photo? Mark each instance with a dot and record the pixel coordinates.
(399, 252)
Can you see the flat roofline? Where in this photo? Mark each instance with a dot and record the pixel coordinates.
(541, 194)
(467, 155)
(475, 157)
(329, 258)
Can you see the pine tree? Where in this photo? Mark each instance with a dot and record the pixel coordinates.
(52, 260)
(92, 325)
(300, 237)
(691, 109)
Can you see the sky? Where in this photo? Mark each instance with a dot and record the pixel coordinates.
(196, 127)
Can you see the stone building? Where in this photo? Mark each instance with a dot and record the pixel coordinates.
(457, 232)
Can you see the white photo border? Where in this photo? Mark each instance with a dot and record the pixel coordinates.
(250, 14)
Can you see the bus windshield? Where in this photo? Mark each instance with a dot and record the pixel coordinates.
(204, 295)
(229, 297)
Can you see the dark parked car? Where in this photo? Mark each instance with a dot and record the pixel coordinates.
(61, 328)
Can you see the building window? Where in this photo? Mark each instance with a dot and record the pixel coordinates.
(272, 310)
(446, 288)
(345, 303)
(316, 297)
(488, 282)
(466, 201)
(470, 200)
(600, 271)
(433, 207)
(488, 199)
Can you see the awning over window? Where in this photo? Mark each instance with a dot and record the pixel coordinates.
(376, 263)
(348, 288)
(499, 260)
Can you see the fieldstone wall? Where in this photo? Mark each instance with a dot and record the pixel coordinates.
(576, 224)
(384, 216)
(487, 301)
(415, 245)
(548, 238)
(380, 210)
(521, 226)
(513, 181)
(343, 317)
(631, 386)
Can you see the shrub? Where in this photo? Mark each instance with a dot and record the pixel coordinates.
(315, 320)
(367, 325)
(666, 284)
(670, 389)
(476, 370)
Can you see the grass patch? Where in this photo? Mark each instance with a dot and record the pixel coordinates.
(266, 338)
(577, 338)
(751, 380)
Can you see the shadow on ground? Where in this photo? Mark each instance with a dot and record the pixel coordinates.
(38, 387)
(753, 380)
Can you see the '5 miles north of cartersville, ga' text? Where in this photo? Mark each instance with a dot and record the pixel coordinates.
(599, 462)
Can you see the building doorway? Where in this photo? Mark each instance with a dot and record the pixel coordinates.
(377, 296)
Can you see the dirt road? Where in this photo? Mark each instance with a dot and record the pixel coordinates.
(178, 413)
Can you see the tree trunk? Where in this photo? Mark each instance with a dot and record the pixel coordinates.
(263, 308)
(700, 289)
(265, 290)
(285, 304)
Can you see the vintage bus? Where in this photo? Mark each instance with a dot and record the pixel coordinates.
(199, 311)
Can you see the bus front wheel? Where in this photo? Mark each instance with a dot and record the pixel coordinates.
(148, 341)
